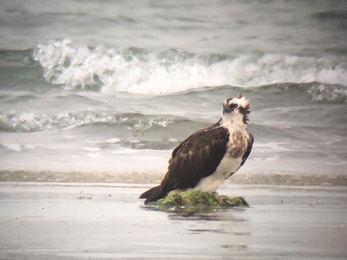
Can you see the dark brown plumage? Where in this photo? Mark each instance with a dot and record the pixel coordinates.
(201, 153)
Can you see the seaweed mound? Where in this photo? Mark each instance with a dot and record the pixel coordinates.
(196, 201)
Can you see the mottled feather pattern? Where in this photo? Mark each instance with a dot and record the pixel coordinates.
(238, 144)
(196, 157)
(210, 155)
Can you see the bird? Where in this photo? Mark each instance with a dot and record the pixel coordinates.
(210, 155)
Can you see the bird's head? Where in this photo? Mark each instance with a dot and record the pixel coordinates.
(237, 107)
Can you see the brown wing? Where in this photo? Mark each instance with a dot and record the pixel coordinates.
(196, 157)
(249, 148)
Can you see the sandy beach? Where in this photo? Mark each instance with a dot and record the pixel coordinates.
(107, 221)
(95, 97)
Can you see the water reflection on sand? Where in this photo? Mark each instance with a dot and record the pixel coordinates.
(50, 220)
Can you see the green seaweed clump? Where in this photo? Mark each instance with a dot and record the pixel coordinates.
(197, 201)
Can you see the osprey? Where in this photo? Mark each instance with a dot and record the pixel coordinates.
(209, 156)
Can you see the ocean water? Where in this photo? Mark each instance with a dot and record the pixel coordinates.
(112, 87)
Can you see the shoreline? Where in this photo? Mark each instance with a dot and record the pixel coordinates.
(292, 179)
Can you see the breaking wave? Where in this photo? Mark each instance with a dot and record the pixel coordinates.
(29, 122)
(329, 93)
(143, 71)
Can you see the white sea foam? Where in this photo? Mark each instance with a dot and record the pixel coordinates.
(331, 93)
(166, 72)
(13, 147)
(30, 122)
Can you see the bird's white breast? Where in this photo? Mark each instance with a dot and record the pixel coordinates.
(232, 159)
(227, 166)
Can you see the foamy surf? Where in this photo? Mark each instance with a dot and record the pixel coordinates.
(96, 87)
(143, 71)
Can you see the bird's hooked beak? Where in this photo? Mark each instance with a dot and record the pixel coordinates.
(240, 104)
(227, 110)
(228, 106)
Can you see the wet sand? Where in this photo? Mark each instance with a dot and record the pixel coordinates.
(106, 221)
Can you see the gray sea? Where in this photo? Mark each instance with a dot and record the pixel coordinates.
(113, 86)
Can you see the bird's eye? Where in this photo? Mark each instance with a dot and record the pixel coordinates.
(234, 106)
